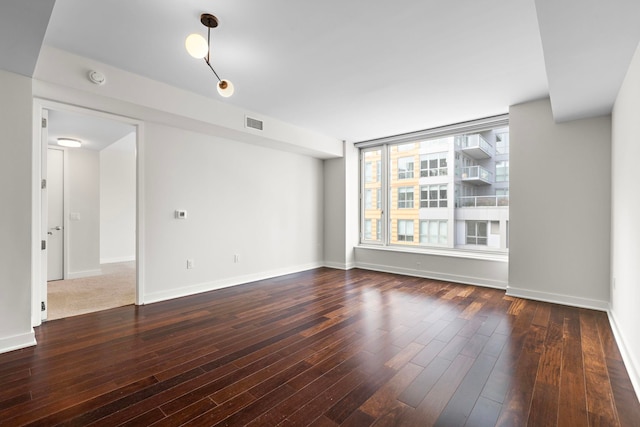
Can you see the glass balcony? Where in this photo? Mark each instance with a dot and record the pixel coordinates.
(476, 175)
(482, 201)
(475, 146)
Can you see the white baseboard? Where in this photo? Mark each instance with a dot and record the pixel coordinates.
(339, 266)
(17, 342)
(558, 299)
(117, 259)
(224, 283)
(455, 278)
(630, 361)
(81, 274)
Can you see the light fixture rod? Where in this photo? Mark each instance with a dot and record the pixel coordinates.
(206, 58)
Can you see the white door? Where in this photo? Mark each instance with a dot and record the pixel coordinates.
(55, 214)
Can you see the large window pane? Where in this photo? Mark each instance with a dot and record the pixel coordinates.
(367, 228)
(449, 187)
(372, 195)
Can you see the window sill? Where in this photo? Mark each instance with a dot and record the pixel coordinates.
(444, 252)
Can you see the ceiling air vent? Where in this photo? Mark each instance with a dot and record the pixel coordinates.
(253, 123)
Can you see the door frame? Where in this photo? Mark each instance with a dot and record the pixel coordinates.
(38, 233)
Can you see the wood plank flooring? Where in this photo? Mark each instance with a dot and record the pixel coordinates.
(324, 348)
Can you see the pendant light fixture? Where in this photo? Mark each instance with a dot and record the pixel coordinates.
(200, 48)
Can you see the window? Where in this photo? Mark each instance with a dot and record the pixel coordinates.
(502, 143)
(368, 198)
(372, 172)
(368, 172)
(433, 232)
(417, 190)
(405, 197)
(476, 232)
(502, 171)
(367, 229)
(434, 164)
(405, 230)
(406, 147)
(433, 196)
(405, 167)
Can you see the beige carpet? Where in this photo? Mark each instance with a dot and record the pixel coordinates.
(114, 288)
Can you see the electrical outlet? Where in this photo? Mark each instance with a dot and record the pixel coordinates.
(190, 264)
(236, 258)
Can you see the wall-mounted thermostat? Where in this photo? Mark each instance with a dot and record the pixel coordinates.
(181, 214)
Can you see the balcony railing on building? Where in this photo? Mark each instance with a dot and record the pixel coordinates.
(476, 175)
(482, 201)
(475, 146)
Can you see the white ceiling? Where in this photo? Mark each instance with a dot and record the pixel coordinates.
(96, 133)
(362, 69)
(588, 45)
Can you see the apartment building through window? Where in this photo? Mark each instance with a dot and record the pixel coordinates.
(459, 175)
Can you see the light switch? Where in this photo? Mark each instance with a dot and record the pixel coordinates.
(74, 216)
(180, 214)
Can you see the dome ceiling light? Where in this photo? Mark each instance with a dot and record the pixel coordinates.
(69, 142)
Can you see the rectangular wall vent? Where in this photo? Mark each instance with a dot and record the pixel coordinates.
(253, 123)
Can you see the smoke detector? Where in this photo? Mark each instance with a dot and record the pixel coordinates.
(97, 77)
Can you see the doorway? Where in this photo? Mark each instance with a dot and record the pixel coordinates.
(89, 212)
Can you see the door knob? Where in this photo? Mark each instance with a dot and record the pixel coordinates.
(58, 228)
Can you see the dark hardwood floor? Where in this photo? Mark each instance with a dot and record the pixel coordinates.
(324, 348)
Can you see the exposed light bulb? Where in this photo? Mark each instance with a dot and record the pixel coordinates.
(225, 88)
(196, 46)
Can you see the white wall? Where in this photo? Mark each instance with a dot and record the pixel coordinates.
(245, 193)
(334, 213)
(560, 180)
(484, 272)
(341, 209)
(625, 230)
(82, 184)
(260, 204)
(118, 201)
(15, 212)
(144, 98)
